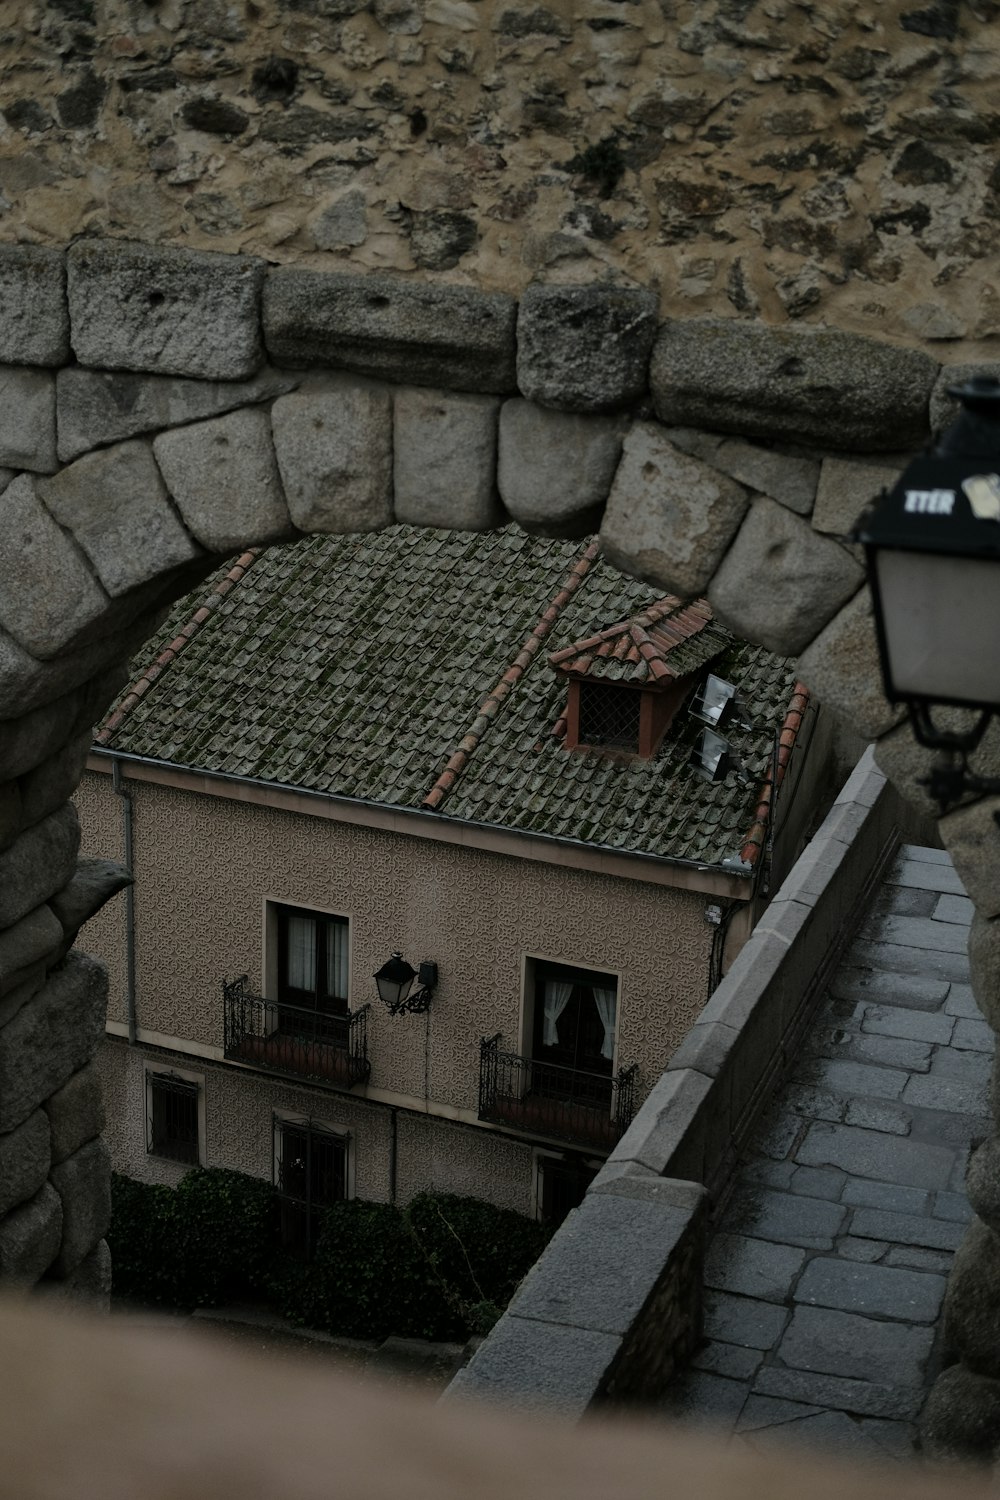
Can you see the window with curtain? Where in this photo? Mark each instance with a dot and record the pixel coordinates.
(313, 960)
(576, 1014)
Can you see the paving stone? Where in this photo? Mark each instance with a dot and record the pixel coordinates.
(927, 877)
(116, 505)
(962, 1002)
(702, 1397)
(223, 477)
(28, 420)
(882, 1291)
(774, 1174)
(971, 1067)
(776, 1137)
(817, 1182)
(952, 1094)
(917, 1258)
(785, 1219)
(669, 517)
(867, 1251)
(830, 1342)
(861, 1192)
(743, 1320)
(908, 1025)
(892, 1052)
(923, 853)
(897, 1438)
(913, 992)
(865, 1153)
(769, 1411)
(830, 1431)
(34, 319)
(906, 901)
(48, 596)
(862, 1396)
(445, 459)
(917, 932)
(956, 1181)
(450, 337)
(897, 959)
(163, 309)
(731, 1360)
(584, 348)
(812, 1103)
(954, 1206)
(907, 1229)
(957, 909)
(873, 1116)
(853, 1078)
(809, 578)
(974, 1035)
(753, 1268)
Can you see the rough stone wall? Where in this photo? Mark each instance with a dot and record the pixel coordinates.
(746, 158)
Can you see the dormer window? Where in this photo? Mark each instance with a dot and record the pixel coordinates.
(627, 682)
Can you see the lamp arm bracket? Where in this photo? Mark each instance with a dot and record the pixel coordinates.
(932, 738)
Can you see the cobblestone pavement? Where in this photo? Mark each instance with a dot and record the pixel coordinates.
(825, 1275)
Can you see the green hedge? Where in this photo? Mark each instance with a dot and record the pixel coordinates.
(443, 1267)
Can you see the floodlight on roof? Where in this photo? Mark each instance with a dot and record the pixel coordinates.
(716, 703)
(713, 757)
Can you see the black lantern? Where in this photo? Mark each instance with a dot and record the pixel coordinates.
(933, 548)
(395, 979)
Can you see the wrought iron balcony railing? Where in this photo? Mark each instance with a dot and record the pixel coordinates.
(542, 1099)
(289, 1039)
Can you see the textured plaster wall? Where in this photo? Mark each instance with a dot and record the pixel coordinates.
(101, 814)
(204, 867)
(767, 159)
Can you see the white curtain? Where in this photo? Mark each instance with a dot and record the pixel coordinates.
(301, 969)
(556, 998)
(336, 959)
(606, 1002)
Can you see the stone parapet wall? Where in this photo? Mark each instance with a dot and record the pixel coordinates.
(738, 159)
(595, 1323)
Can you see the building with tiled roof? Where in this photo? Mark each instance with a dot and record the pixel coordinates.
(477, 750)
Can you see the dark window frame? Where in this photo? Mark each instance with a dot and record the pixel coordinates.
(299, 1180)
(600, 705)
(169, 1097)
(579, 1055)
(318, 999)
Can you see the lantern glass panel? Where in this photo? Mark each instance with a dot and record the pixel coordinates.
(941, 620)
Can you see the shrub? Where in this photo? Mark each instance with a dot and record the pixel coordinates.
(478, 1250)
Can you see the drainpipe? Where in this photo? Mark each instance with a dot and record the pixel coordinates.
(118, 782)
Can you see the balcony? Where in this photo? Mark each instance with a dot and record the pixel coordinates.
(564, 1104)
(301, 1043)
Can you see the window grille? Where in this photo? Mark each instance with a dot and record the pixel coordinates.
(609, 716)
(172, 1117)
(310, 1173)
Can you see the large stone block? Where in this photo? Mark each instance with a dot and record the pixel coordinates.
(224, 479)
(971, 836)
(944, 408)
(334, 446)
(788, 476)
(669, 517)
(30, 1237)
(83, 1182)
(780, 583)
(972, 1303)
(442, 336)
(165, 310)
(31, 941)
(115, 504)
(75, 1112)
(907, 764)
(96, 407)
(24, 1161)
(94, 883)
(984, 966)
(88, 1285)
(585, 348)
(27, 741)
(961, 1420)
(38, 863)
(846, 488)
(556, 468)
(48, 596)
(982, 1182)
(445, 459)
(26, 683)
(34, 318)
(28, 420)
(52, 782)
(51, 1037)
(842, 668)
(816, 386)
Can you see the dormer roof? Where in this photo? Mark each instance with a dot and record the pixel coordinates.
(664, 642)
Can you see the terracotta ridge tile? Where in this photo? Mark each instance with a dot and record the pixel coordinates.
(157, 667)
(794, 716)
(512, 675)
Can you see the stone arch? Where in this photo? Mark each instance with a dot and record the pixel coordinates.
(166, 408)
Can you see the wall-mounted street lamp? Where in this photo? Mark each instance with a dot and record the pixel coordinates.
(395, 982)
(933, 548)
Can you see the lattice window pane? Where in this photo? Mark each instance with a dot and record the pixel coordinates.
(172, 1123)
(609, 715)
